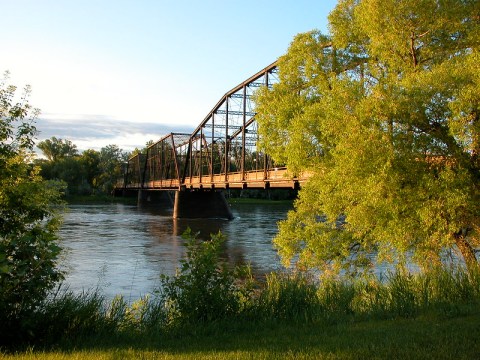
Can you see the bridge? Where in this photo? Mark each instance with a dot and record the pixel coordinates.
(221, 153)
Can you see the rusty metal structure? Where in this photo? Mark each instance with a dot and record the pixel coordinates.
(221, 152)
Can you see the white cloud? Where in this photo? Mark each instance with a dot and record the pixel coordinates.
(95, 132)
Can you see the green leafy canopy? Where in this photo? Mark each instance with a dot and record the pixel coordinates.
(384, 116)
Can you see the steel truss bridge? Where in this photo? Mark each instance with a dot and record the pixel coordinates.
(221, 152)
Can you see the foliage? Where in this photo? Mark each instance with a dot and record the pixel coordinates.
(294, 301)
(88, 173)
(205, 289)
(28, 218)
(147, 314)
(110, 167)
(447, 292)
(384, 116)
(69, 317)
(90, 162)
(55, 149)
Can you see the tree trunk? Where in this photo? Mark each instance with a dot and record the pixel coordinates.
(466, 249)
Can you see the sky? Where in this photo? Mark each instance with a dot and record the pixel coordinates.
(128, 71)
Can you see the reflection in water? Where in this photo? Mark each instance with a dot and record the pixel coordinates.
(123, 249)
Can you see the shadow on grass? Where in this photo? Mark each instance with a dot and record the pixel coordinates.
(423, 338)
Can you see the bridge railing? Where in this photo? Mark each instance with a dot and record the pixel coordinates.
(277, 177)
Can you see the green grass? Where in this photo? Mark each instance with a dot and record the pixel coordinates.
(422, 338)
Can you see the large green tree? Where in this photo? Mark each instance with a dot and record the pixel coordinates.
(384, 116)
(28, 217)
(90, 162)
(63, 163)
(88, 173)
(55, 149)
(111, 163)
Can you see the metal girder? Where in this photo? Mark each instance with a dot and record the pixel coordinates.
(228, 147)
(223, 126)
(236, 89)
(230, 112)
(240, 96)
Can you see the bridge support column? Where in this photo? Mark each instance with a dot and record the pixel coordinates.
(201, 204)
(149, 197)
(122, 192)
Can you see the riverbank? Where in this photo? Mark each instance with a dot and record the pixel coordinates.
(99, 200)
(430, 337)
(434, 315)
(421, 316)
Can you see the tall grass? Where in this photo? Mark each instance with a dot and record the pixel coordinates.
(442, 292)
(205, 294)
(288, 297)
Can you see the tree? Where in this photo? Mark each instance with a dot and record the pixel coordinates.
(28, 217)
(384, 114)
(90, 161)
(84, 174)
(78, 171)
(111, 163)
(62, 163)
(55, 149)
(137, 151)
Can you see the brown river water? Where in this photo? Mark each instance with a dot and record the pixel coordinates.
(122, 249)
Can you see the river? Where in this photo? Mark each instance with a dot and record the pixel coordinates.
(122, 249)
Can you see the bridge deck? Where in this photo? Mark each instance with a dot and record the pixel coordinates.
(277, 178)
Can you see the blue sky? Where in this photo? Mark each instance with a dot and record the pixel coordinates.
(128, 71)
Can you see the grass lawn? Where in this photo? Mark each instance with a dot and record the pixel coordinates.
(423, 338)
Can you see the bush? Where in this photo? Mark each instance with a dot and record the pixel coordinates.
(205, 289)
(28, 221)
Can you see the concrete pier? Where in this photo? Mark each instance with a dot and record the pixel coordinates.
(201, 204)
(152, 197)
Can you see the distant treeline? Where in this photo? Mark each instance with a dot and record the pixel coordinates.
(88, 173)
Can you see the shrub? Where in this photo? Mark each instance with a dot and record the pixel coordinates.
(28, 219)
(205, 288)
